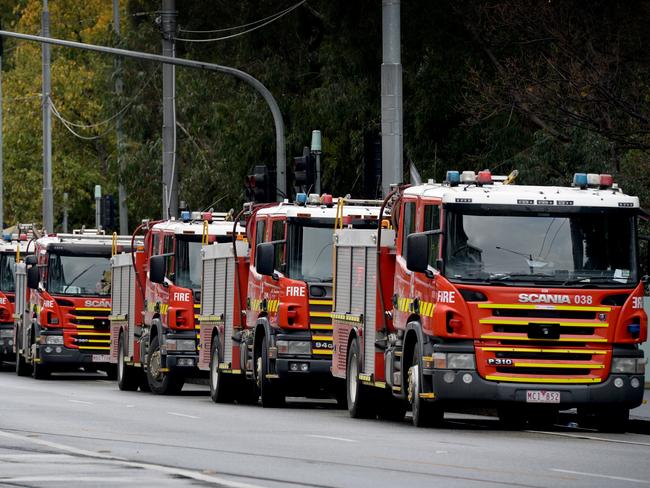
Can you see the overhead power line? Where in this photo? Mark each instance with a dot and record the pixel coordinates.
(266, 21)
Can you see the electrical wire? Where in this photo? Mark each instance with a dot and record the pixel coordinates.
(243, 26)
(273, 19)
(71, 129)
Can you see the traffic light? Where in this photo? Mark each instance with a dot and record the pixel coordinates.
(107, 213)
(259, 185)
(304, 170)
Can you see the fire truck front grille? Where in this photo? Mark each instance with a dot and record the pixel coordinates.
(320, 323)
(543, 343)
(93, 329)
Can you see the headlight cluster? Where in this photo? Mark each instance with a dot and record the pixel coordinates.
(628, 365)
(56, 340)
(180, 344)
(453, 360)
(293, 347)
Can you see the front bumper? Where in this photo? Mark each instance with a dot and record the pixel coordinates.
(482, 392)
(62, 356)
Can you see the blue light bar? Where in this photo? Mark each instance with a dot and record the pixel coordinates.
(6, 237)
(301, 198)
(186, 215)
(580, 180)
(453, 177)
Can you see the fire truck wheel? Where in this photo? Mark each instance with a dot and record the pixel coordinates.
(359, 396)
(161, 383)
(220, 384)
(425, 413)
(272, 394)
(22, 368)
(40, 371)
(127, 376)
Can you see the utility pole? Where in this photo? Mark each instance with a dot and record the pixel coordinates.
(170, 170)
(121, 191)
(98, 206)
(48, 200)
(391, 97)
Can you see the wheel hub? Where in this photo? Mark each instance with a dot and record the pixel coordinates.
(154, 365)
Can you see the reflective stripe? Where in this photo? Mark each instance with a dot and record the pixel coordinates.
(324, 352)
(320, 314)
(557, 365)
(563, 339)
(321, 338)
(321, 302)
(543, 322)
(543, 380)
(562, 351)
(544, 307)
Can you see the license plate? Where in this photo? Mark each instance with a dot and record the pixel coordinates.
(101, 358)
(542, 396)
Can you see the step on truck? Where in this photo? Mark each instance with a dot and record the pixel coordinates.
(485, 293)
(13, 248)
(156, 302)
(63, 322)
(267, 302)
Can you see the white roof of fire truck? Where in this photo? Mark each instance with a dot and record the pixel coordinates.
(18, 236)
(85, 237)
(496, 192)
(217, 225)
(351, 208)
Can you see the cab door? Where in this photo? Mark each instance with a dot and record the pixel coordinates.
(402, 298)
(255, 281)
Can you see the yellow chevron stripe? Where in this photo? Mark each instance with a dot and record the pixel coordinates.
(320, 314)
(322, 352)
(320, 327)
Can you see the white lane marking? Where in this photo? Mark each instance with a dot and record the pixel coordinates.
(183, 415)
(130, 406)
(79, 479)
(331, 438)
(589, 437)
(186, 473)
(593, 475)
(33, 457)
(81, 402)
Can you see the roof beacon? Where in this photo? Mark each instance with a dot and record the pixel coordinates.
(606, 181)
(453, 178)
(301, 198)
(468, 177)
(485, 177)
(186, 215)
(580, 180)
(314, 199)
(207, 216)
(327, 200)
(593, 179)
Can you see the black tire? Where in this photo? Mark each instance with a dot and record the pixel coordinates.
(341, 394)
(22, 368)
(128, 377)
(359, 396)
(271, 392)
(425, 413)
(159, 382)
(40, 371)
(221, 385)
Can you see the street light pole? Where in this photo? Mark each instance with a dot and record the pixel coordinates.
(280, 149)
(48, 200)
(169, 168)
(121, 190)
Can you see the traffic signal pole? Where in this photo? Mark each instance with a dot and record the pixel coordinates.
(280, 150)
(48, 199)
(169, 167)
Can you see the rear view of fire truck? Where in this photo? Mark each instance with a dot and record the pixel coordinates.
(64, 324)
(527, 299)
(156, 293)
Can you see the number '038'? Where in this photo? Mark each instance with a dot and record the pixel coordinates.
(583, 299)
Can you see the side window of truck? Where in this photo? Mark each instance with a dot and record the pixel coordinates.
(277, 234)
(155, 244)
(168, 248)
(432, 222)
(260, 229)
(408, 223)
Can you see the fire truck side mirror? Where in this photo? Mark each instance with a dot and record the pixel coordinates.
(157, 268)
(33, 277)
(31, 260)
(265, 258)
(417, 252)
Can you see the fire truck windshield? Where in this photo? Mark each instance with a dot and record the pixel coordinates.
(7, 269)
(563, 249)
(79, 275)
(188, 263)
(309, 252)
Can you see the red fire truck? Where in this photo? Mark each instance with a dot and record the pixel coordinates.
(269, 329)
(524, 298)
(64, 322)
(156, 302)
(12, 250)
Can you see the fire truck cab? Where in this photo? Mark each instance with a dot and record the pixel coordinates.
(157, 296)
(525, 298)
(63, 324)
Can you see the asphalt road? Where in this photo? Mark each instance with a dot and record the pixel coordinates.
(80, 430)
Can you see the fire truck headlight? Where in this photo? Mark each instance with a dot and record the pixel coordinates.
(180, 344)
(293, 347)
(628, 365)
(460, 361)
(57, 339)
